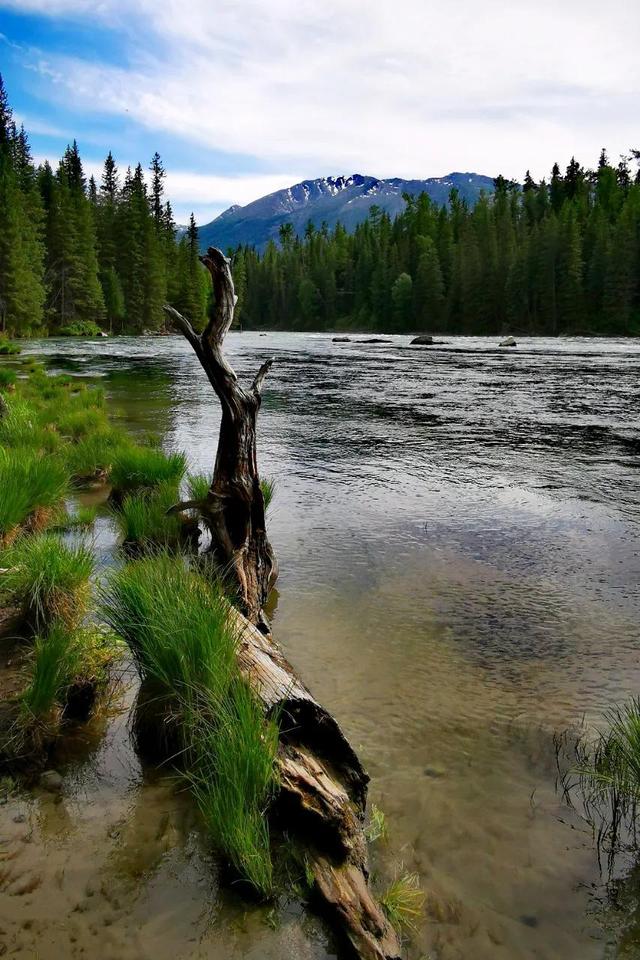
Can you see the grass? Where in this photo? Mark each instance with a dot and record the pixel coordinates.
(49, 577)
(142, 468)
(377, 827)
(609, 775)
(268, 487)
(142, 517)
(77, 424)
(403, 902)
(175, 624)
(54, 663)
(198, 486)
(7, 348)
(64, 672)
(28, 483)
(7, 378)
(233, 781)
(177, 627)
(93, 456)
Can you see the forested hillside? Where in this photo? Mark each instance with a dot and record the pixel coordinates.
(75, 254)
(547, 258)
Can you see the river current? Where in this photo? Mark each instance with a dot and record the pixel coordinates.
(457, 532)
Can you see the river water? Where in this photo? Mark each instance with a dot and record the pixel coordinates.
(457, 530)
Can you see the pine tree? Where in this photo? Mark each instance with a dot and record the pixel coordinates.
(428, 287)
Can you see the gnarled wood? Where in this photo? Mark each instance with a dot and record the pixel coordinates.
(323, 791)
(234, 509)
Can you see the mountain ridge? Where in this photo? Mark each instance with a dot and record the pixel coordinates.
(344, 199)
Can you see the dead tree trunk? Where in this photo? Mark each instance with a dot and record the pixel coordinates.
(323, 786)
(234, 508)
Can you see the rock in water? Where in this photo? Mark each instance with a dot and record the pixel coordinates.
(423, 340)
(51, 781)
(341, 339)
(508, 342)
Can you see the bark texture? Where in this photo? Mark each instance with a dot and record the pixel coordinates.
(323, 786)
(323, 792)
(234, 508)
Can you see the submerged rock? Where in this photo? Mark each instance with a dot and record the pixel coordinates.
(341, 339)
(508, 342)
(423, 340)
(51, 781)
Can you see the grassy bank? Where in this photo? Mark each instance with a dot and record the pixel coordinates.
(55, 438)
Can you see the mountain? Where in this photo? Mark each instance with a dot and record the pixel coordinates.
(330, 199)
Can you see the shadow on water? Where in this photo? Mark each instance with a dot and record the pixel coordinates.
(458, 538)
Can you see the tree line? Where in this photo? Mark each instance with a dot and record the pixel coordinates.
(77, 256)
(553, 257)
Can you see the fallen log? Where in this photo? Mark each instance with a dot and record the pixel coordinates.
(323, 792)
(323, 786)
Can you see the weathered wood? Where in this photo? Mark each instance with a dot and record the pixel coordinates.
(323, 791)
(234, 508)
(323, 786)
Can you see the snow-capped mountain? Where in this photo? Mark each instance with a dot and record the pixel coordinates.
(330, 199)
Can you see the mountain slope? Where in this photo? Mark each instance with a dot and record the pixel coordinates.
(330, 199)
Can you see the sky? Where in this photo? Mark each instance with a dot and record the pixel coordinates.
(243, 97)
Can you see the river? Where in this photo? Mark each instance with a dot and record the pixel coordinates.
(457, 531)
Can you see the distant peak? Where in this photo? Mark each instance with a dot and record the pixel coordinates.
(229, 211)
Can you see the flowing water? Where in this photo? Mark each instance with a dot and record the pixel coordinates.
(457, 530)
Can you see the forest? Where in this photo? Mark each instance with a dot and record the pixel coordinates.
(547, 258)
(561, 257)
(77, 256)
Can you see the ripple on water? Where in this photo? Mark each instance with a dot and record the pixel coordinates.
(457, 530)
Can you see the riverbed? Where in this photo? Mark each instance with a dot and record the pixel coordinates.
(457, 531)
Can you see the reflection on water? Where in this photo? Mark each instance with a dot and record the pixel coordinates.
(457, 534)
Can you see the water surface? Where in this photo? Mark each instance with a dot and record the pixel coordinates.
(457, 531)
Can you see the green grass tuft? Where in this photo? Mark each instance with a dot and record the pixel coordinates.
(53, 665)
(233, 780)
(175, 624)
(93, 456)
(198, 486)
(7, 378)
(79, 423)
(268, 487)
(7, 348)
(62, 659)
(142, 517)
(142, 468)
(48, 576)
(403, 902)
(28, 483)
(609, 773)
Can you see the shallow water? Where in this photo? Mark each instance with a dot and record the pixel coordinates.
(457, 531)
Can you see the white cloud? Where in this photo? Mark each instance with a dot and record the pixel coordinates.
(413, 88)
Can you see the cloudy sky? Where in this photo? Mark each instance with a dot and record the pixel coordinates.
(242, 97)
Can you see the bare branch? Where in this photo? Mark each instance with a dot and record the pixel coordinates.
(256, 386)
(183, 326)
(186, 505)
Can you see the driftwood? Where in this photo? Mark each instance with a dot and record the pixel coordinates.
(323, 791)
(234, 507)
(323, 786)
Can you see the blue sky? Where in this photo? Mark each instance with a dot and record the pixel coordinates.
(242, 97)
